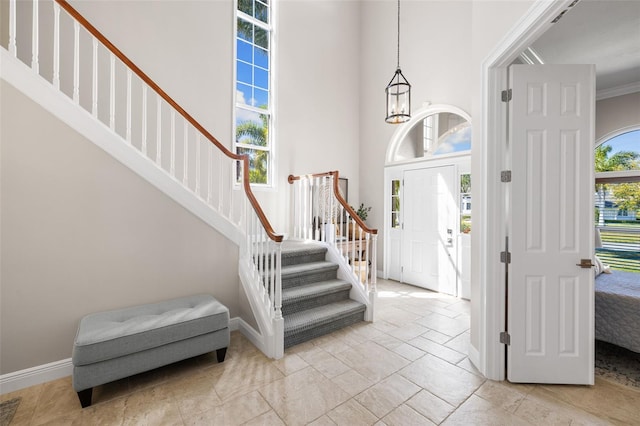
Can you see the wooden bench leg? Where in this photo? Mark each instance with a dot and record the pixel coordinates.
(221, 353)
(85, 397)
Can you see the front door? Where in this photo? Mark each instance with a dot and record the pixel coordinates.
(429, 215)
(550, 297)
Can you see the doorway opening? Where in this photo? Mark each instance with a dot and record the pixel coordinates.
(428, 201)
(524, 34)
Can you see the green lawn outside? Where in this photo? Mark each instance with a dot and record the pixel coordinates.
(624, 260)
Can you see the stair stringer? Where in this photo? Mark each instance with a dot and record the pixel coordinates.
(23, 78)
(270, 336)
(358, 291)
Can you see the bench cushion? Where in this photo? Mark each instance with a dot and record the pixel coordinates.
(111, 334)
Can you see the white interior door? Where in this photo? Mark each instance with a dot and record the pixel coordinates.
(428, 243)
(550, 297)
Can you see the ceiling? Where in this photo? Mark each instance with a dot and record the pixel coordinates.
(601, 32)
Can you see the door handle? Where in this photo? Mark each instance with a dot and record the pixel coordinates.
(585, 263)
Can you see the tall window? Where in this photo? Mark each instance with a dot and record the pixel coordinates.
(617, 201)
(253, 99)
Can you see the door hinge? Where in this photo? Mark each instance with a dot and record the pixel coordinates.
(505, 176)
(505, 338)
(506, 95)
(505, 257)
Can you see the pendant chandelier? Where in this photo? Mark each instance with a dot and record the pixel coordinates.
(398, 92)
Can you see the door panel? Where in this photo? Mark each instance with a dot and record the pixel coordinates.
(550, 299)
(428, 250)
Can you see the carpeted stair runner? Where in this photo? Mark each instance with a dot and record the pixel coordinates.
(314, 301)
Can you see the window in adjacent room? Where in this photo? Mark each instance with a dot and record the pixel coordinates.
(617, 201)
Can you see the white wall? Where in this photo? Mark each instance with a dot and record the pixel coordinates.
(185, 46)
(334, 59)
(435, 57)
(491, 20)
(115, 240)
(318, 107)
(81, 233)
(617, 113)
(442, 48)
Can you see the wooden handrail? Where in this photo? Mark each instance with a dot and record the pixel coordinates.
(144, 77)
(336, 191)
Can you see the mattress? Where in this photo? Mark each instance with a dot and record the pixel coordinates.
(617, 301)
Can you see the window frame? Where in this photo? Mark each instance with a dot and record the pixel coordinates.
(270, 110)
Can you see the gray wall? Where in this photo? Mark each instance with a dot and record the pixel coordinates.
(617, 113)
(81, 233)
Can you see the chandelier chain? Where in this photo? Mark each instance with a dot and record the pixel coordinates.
(398, 34)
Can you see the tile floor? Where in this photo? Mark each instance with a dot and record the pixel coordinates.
(407, 368)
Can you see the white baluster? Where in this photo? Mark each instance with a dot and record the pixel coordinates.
(185, 171)
(220, 181)
(296, 209)
(353, 240)
(158, 130)
(56, 45)
(209, 173)
(259, 260)
(323, 207)
(252, 245)
(13, 49)
(332, 218)
(248, 235)
(172, 167)
(230, 191)
(278, 297)
(144, 119)
(94, 88)
(35, 39)
(374, 263)
(128, 137)
(198, 163)
(272, 267)
(366, 261)
(76, 62)
(305, 207)
(112, 92)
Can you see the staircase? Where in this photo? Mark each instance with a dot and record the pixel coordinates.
(293, 290)
(314, 301)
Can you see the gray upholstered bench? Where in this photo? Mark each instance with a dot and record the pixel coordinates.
(116, 344)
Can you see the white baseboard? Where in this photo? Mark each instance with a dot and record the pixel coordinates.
(474, 357)
(39, 374)
(250, 333)
(35, 375)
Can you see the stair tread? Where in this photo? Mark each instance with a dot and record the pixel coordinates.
(310, 318)
(314, 289)
(301, 248)
(307, 267)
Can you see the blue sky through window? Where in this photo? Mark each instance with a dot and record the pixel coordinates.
(629, 141)
(457, 140)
